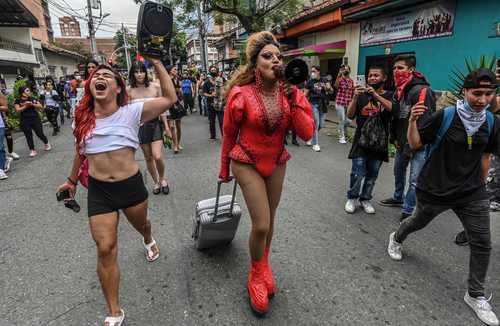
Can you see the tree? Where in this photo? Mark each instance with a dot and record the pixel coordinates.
(121, 61)
(253, 15)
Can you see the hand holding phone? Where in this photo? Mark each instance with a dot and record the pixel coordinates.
(360, 81)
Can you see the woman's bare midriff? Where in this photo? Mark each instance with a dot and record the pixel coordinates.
(113, 166)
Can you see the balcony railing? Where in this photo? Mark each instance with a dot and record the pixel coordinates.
(11, 45)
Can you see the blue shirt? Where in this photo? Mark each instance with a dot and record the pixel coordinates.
(186, 87)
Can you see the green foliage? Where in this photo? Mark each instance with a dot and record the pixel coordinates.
(121, 60)
(253, 15)
(458, 75)
(14, 118)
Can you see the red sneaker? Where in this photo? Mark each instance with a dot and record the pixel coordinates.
(257, 290)
(268, 275)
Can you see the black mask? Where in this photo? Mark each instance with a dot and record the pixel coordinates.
(213, 74)
(377, 85)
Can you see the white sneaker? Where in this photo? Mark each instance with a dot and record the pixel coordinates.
(33, 153)
(367, 207)
(48, 147)
(3, 176)
(8, 161)
(395, 249)
(482, 308)
(342, 140)
(316, 148)
(14, 155)
(350, 206)
(309, 143)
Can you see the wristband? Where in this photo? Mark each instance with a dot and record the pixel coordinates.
(74, 183)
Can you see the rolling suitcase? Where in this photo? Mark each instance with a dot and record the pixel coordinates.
(216, 220)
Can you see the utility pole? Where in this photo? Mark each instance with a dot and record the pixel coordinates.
(203, 34)
(125, 44)
(93, 45)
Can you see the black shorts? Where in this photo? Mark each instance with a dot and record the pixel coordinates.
(150, 131)
(107, 197)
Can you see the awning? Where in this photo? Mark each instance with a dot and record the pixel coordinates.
(334, 49)
(14, 14)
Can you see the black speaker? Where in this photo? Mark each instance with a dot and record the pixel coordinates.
(296, 71)
(154, 29)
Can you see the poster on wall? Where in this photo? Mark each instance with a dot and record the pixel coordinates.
(433, 19)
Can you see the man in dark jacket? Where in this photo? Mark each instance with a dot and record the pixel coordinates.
(411, 88)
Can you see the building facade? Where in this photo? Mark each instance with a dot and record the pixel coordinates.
(193, 48)
(40, 9)
(105, 45)
(69, 26)
(441, 34)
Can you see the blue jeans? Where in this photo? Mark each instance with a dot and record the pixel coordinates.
(319, 122)
(343, 121)
(364, 173)
(401, 162)
(2, 148)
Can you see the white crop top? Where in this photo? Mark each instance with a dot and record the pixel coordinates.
(117, 131)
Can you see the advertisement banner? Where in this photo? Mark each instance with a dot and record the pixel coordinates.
(433, 19)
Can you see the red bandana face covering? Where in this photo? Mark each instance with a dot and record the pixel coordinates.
(402, 79)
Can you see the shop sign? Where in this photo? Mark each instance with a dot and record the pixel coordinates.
(434, 19)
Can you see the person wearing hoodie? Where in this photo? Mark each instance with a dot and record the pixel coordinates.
(461, 138)
(411, 87)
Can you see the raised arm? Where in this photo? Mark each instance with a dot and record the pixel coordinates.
(154, 108)
(351, 109)
(413, 135)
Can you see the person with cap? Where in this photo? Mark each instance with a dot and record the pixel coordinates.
(460, 138)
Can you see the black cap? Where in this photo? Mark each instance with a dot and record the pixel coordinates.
(475, 77)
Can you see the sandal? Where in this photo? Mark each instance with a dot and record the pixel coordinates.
(115, 321)
(156, 189)
(151, 256)
(165, 189)
(73, 205)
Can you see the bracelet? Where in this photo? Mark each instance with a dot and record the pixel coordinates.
(74, 183)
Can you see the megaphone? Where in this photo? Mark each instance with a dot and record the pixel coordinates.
(296, 71)
(154, 29)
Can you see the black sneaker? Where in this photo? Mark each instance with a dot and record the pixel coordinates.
(391, 202)
(461, 239)
(404, 216)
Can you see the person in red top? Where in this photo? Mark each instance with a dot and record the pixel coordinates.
(260, 110)
(345, 92)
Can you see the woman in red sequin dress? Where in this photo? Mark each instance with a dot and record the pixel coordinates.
(260, 110)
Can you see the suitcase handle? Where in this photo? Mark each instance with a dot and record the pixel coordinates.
(219, 184)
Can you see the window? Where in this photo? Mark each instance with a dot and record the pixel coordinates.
(39, 56)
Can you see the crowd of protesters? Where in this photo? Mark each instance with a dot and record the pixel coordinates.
(451, 154)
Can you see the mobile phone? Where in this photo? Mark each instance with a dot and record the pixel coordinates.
(360, 81)
(62, 195)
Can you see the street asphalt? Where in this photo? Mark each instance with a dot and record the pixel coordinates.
(331, 268)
